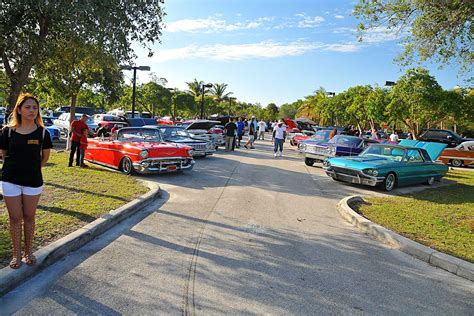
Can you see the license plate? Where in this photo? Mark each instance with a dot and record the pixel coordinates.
(171, 168)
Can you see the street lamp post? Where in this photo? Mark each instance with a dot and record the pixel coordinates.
(204, 86)
(173, 103)
(230, 103)
(331, 95)
(134, 68)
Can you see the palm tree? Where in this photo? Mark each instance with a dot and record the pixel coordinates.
(194, 87)
(218, 91)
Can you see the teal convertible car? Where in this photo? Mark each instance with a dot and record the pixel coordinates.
(409, 162)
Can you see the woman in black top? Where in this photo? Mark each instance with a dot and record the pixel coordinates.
(25, 145)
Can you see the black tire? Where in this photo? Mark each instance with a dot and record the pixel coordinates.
(335, 179)
(309, 162)
(126, 166)
(390, 182)
(430, 180)
(457, 163)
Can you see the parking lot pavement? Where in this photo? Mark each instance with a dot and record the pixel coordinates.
(243, 233)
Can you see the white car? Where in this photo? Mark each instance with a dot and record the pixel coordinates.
(62, 122)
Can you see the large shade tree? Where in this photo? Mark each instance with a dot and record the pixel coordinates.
(439, 30)
(29, 29)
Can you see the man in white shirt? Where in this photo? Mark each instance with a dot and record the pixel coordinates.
(261, 129)
(394, 137)
(279, 134)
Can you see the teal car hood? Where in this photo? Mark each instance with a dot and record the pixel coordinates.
(433, 149)
(360, 163)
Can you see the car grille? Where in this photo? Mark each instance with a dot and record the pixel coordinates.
(199, 147)
(346, 171)
(316, 150)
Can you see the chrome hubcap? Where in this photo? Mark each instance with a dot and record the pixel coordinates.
(390, 181)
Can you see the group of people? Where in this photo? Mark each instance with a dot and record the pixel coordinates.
(234, 132)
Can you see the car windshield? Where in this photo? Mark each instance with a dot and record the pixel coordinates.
(386, 152)
(47, 121)
(347, 141)
(89, 119)
(323, 134)
(139, 135)
(174, 132)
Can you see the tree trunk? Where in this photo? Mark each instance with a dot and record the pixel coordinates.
(72, 115)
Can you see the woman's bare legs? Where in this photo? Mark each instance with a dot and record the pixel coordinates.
(30, 202)
(15, 214)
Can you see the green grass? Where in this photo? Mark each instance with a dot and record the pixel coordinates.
(441, 218)
(72, 197)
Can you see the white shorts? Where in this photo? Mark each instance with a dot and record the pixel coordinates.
(10, 189)
(251, 137)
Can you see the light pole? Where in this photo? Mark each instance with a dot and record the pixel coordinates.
(173, 103)
(144, 68)
(331, 95)
(203, 87)
(230, 103)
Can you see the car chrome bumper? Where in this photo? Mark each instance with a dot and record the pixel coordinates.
(316, 156)
(358, 178)
(162, 165)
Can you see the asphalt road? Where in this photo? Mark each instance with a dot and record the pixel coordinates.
(243, 233)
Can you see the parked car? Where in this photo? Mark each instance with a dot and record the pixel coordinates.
(321, 135)
(461, 155)
(179, 135)
(78, 109)
(62, 122)
(442, 136)
(141, 150)
(109, 121)
(339, 145)
(54, 131)
(139, 121)
(411, 162)
(201, 129)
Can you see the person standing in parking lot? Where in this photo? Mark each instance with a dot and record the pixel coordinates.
(261, 129)
(279, 134)
(229, 131)
(77, 128)
(240, 131)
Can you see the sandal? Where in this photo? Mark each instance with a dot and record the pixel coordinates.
(29, 259)
(15, 263)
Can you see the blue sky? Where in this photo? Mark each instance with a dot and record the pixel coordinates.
(273, 51)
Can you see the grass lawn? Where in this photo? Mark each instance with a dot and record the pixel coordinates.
(441, 218)
(72, 197)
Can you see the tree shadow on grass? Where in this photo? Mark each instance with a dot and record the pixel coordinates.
(68, 188)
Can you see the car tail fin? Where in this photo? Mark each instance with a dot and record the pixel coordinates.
(433, 149)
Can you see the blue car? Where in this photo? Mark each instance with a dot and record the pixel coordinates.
(54, 132)
(386, 165)
(339, 145)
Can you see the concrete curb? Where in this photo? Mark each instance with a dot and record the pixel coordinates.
(438, 259)
(10, 278)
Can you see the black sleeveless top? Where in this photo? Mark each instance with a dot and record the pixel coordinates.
(22, 162)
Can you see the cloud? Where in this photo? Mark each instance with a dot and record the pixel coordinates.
(309, 21)
(342, 48)
(381, 34)
(339, 16)
(213, 24)
(265, 49)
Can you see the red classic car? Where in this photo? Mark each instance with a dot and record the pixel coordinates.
(141, 150)
(462, 155)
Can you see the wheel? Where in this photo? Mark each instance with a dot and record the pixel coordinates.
(456, 163)
(335, 179)
(126, 166)
(309, 161)
(430, 180)
(389, 182)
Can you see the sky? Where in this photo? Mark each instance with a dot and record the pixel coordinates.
(273, 51)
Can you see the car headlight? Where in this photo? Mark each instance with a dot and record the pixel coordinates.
(370, 172)
(190, 151)
(332, 151)
(326, 164)
(144, 153)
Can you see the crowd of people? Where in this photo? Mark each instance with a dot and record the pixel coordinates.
(254, 130)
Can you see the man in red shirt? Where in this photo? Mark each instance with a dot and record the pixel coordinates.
(77, 127)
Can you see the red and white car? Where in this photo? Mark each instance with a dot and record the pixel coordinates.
(140, 150)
